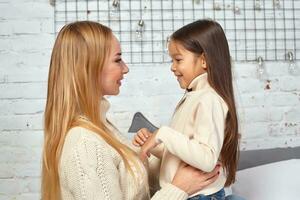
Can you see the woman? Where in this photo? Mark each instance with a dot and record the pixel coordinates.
(84, 155)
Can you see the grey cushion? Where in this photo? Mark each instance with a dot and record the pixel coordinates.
(254, 158)
(140, 121)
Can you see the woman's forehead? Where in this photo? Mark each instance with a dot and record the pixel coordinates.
(116, 47)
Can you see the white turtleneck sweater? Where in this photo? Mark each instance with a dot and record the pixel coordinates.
(195, 135)
(91, 169)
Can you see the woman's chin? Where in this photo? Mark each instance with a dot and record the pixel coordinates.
(114, 92)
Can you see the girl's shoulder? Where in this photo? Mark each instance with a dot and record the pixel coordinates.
(208, 94)
(209, 98)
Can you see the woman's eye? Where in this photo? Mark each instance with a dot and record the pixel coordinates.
(119, 60)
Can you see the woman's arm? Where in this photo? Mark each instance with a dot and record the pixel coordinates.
(187, 181)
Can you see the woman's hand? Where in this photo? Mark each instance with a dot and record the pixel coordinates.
(191, 180)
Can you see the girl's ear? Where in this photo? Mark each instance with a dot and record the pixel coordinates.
(203, 61)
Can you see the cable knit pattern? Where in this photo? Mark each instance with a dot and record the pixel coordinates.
(91, 169)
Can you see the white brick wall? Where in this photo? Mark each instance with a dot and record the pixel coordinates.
(270, 117)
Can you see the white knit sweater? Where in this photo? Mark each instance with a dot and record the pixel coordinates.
(91, 169)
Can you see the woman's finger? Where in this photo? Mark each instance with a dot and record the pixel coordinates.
(213, 173)
(209, 181)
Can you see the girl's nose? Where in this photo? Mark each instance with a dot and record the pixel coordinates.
(173, 68)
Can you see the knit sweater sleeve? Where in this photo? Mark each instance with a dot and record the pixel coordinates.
(91, 173)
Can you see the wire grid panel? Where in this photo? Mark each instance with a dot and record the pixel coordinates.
(266, 28)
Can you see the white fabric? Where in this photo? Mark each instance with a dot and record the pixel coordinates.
(275, 181)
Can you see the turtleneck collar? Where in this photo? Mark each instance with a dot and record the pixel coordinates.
(198, 83)
(104, 107)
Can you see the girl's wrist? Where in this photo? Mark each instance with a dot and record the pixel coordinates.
(156, 138)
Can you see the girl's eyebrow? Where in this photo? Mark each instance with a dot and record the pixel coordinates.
(176, 54)
(118, 54)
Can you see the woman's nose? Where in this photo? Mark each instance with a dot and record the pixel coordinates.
(125, 68)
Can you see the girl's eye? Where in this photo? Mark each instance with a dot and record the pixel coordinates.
(175, 60)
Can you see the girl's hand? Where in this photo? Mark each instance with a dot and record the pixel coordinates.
(141, 137)
(147, 146)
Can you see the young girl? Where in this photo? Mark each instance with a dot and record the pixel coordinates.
(204, 127)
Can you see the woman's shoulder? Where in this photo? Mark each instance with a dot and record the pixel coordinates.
(86, 145)
(84, 150)
(78, 134)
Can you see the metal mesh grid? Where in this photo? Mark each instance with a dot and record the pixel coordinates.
(266, 28)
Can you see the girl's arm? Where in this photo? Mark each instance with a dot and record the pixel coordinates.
(203, 149)
(158, 151)
(142, 136)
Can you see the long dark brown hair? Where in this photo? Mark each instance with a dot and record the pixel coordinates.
(208, 38)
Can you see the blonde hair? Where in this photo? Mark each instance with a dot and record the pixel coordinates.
(77, 59)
